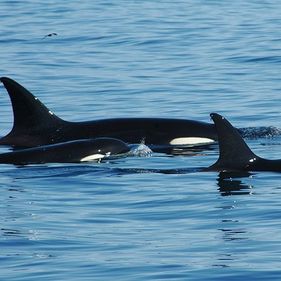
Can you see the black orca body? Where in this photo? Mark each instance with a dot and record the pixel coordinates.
(235, 155)
(35, 124)
(68, 152)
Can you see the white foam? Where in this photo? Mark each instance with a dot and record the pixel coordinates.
(140, 150)
(191, 141)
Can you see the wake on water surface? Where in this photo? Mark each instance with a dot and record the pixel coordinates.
(260, 132)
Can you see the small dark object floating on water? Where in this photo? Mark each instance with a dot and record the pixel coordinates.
(50, 35)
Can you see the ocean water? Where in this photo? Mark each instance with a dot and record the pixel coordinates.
(127, 219)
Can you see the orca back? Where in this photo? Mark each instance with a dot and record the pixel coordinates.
(30, 115)
(235, 154)
(35, 125)
(84, 150)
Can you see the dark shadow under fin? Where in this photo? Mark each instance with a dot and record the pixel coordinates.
(30, 115)
(234, 152)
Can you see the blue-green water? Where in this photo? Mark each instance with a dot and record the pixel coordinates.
(121, 220)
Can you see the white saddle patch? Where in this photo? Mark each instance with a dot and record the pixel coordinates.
(191, 141)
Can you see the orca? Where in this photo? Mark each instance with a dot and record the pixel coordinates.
(84, 150)
(234, 153)
(35, 125)
(235, 159)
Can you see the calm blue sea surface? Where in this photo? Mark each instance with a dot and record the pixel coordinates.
(124, 219)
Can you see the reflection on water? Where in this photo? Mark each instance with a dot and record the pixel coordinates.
(10, 232)
(230, 234)
(231, 183)
(223, 261)
(184, 149)
(233, 235)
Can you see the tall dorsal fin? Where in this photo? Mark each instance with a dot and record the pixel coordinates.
(234, 152)
(29, 112)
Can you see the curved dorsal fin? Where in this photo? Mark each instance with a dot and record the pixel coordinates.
(234, 152)
(29, 112)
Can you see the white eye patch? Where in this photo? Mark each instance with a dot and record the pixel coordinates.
(92, 157)
(95, 157)
(191, 141)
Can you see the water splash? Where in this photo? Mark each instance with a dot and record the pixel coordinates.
(140, 150)
(260, 132)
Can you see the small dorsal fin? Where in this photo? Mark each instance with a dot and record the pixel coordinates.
(234, 152)
(29, 112)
